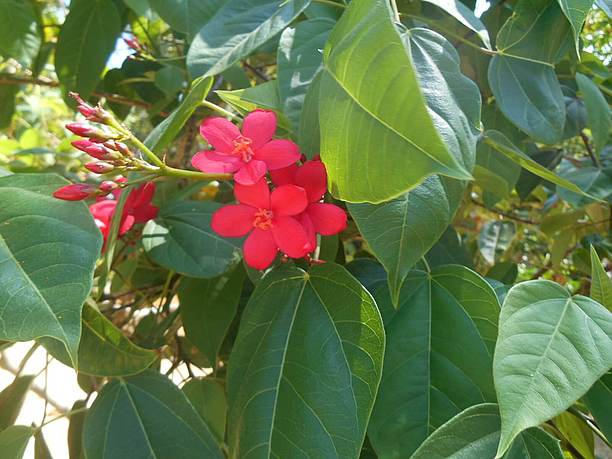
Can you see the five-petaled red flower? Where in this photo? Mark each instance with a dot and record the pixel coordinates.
(137, 209)
(269, 218)
(318, 217)
(248, 154)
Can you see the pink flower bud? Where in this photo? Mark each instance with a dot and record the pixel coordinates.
(107, 186)
(99, 167)
(93, 149)
(74, 192)
(118, 146)
(80, 129)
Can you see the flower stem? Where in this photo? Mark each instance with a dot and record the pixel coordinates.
(218, 109)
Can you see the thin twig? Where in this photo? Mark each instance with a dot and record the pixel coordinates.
(504, 214)
(587, 145)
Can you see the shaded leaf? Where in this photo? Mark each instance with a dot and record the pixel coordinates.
(187, 16)
(551, 348)
(12, 398)
(601, 284)
(75, 430)
(598, 111)
(14, 441)
(576, 12)
(495, 239)
(208, 398)
(465, 16)
(7, 104)
(599, 401)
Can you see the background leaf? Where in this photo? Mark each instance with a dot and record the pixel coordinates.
(282, 368)
(495, 238)
(576, 12)
(148, 414)
(208, 398)
(48, 250)
(598, 111)
(465, 16)
(180, 239)
(601, 284)
(551, 348)
(438, 359)
(14, 440)
(12, 398)
(19, 30)
(187, 16)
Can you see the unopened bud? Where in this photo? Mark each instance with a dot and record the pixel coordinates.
(107, 186)
(133, 43)
(99, 167)
(95, 150)
(74, 192)
(118, 146)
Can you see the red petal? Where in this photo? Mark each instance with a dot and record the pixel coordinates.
(220, 133)
(145, 213)
(278, 153)
(309, 228)
(290, 237)
(257, 195)
(233, 220)
(313, 178)
(259, 126)
(141, 196)
(127, 221)
(288, 200)
(251, 173)
(260, 249)
(213, 164)
(328, 219)
(284, 176)
(103, 210)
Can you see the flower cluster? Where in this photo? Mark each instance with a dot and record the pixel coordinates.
(286, 218)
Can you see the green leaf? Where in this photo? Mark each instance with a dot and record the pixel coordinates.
(236, 30)
(7, 104)
(599, 401)
(86, 40)
(413, 224)
(19, 30)
(465, 16)
(48, 251)
(378, 139)
(536, 31)
(309, 136)
(300, 58)
(166, 131)
(41, 450)
(103, 350)
(598, 111)
(495, 239)
(438, 358)
(577, 433)
(208, 398)
(576, 12)
(601, 284)
(474, 433)
(594, 182)
(528, 181)
(208, 307)
(169, 79)
(283, 368)
(14, 441)
(147, 414)
(529, 95)
(181, 239)
(551, 348)
(499, 142)
(495, 174)
(75, 430)
(449, 250)
(12, 398)
(187, 16)
(505, 272)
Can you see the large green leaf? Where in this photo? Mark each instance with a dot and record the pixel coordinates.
(19, 30)
(167, 130)
(598, 111)
(530, 96)
(208, 307)
(305, 368)
(495, 238)
(601, 284)
(412, 225)
(48, 251)
(103, 350)
(474, 433)
(599, 400)
(378, 139)
(309, 136)
(465, 16)
(146, 416)
(12, 398)
(236, 30)
(576, 12)
(208, 398)
(187, 16)
(181, 239)
(300, 57)
(86, 40)
(551, 348)
(14, 441)
(500, 143)
(536, 31)
(438, 358)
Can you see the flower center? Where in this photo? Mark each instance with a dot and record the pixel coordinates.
(242, 148)
(263, 219)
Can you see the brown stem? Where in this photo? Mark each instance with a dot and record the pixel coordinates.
(587, 145)
(504, 214)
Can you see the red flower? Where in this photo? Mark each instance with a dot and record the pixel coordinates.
(268, 217)
(318, 217)
(137, 209)
(248, 154)
(74, 192)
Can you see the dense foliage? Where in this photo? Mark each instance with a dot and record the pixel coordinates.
(367, 228)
